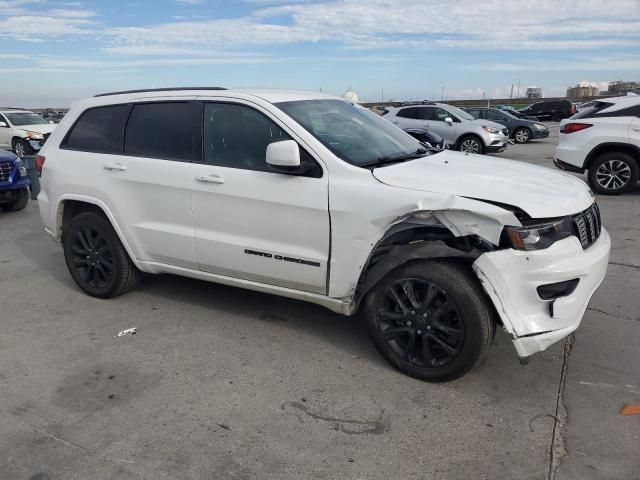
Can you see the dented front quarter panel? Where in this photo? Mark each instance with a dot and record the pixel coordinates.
(364, 209)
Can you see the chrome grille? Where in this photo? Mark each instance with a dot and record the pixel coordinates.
(587, 225)
(5, 171)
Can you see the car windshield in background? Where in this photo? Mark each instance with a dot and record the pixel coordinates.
(354, 134)
(460, 113)
(19, 119)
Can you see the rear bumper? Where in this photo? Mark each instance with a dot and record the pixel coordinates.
(567, 167)
(570, 155)
(511, 278)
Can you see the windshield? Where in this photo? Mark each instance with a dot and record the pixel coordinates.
(460, 113)
(354, 134)
(19, 119)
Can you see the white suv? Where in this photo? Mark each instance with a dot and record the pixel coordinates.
(23, 131)
(604, 140)
(307, 196)
(459, 129)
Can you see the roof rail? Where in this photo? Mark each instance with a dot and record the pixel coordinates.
(171, 89)
(12, 108)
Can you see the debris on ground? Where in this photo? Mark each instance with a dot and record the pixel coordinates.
(128, 331)
(630, 409)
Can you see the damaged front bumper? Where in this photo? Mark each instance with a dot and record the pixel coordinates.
(511, 279)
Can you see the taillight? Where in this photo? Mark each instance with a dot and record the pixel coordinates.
(39, 163)
(572, 109)
(574, 127)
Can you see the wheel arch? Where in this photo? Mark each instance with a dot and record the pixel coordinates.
(521, 127)
(602, 148)
(467, 135)
(409, 242)
(71, 206)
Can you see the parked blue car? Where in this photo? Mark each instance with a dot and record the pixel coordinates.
(14, 183)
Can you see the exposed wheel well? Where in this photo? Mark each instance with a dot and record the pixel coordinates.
(612, 147)
(71, 208)
(408, 243)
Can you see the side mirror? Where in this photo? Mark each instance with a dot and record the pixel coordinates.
(449, 120)
(4, 125)
(284, 156)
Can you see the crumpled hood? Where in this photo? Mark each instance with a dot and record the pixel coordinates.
(539, 191)
(39, 128)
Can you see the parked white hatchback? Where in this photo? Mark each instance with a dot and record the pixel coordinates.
(307, 196)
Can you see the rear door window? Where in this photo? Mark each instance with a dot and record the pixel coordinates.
(99, 130)
(495, 116)
(165, 130)
(413, 113)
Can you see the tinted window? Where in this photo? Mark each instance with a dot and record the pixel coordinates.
(164, 130)
(413, 112)
(236, 136)
(439, 114)
(474, 113)
(495, 116)
(99, 130)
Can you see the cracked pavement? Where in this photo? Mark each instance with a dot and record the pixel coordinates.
(225, 383)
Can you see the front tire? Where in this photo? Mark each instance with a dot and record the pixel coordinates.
(522, 135)
(20, 203)
(96, 259)
(613, 173)
(430, 320)
(471, 144)
(22, 148)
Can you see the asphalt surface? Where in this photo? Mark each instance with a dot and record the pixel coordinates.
(221, 383)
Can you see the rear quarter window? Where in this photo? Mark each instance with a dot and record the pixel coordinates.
(99, 129)
(168, 130)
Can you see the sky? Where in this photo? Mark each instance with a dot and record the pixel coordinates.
(53, 52)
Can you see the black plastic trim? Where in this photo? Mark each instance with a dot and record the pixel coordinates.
(145, 90)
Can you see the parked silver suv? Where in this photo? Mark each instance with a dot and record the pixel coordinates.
(460, 130)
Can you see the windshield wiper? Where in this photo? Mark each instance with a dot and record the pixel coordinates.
(389, 159)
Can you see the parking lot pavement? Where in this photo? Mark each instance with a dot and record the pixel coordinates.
(225, 383)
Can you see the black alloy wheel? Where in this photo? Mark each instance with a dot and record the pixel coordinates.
(95, 257)
(431, 319)
(92, 257)
(420, 322)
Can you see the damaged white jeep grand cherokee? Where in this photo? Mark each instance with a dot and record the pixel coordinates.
(307, 196)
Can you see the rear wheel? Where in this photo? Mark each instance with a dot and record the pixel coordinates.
(471, 144)
(21, 201)
(522, 135)
(613, 173)
(430, 320)
(96, 259)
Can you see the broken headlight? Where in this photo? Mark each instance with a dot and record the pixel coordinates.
(537, 236)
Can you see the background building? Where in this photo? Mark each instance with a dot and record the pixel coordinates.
(534, 92)
(619, 87)
(581, 91)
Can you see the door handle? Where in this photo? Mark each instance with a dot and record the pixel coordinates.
(210, 179)
(395, 122)
(115, 166)
(636, 129)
